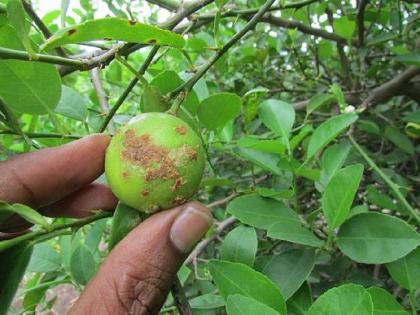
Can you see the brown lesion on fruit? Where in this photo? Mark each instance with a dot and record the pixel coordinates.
(107, 38)
(190, 153)
(131, 22)
(71, 31)
(178, 200)
(141, 151)
(182, 130)
(145, 193)
(151, 41)
(179, 182)
(125, 174)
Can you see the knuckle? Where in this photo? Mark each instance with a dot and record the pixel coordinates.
(142, 293)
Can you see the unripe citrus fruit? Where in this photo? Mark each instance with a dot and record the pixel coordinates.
(154, 162)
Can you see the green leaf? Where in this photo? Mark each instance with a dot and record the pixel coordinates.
(327, 132)
(216, 110)
(17, 18)
(411, 59)
(44, 259)
(267, 161)
(260, 212)
(152, 100)
(318, 101)
(207, 302)
(303, 133)
(278, 116)
(234, 278)
(29, 87)
(406, 271)
(25, 212)
(344, 27)
(82, 265)
(339, 194)
(384, 303)
(269, 146)
(94, 236)
(241, 305)
(381, 199)
(375, 238)
(289, 269)
(114, 28)
(399, 139)
(293, 231)
(13, 264)
(125, 219)
(334, 157)
(72, 104)
(331, 161)
(348, 299)
(240, 246)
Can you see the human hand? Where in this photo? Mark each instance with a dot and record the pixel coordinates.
(136, 277)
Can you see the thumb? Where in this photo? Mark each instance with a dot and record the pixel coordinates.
(138, 273)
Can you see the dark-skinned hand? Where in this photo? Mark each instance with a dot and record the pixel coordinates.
(137, 275)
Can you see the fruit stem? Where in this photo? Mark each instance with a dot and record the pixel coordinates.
(173, 110)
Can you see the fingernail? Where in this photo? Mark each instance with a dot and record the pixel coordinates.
(190, 226)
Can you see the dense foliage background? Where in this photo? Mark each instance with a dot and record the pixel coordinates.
(310, 120)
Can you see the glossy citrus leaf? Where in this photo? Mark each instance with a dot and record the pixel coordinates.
(375, 238)
(114, 28)
(347, 299)
(228, 276)
(242, 305)
(339, 194)
(218, 109)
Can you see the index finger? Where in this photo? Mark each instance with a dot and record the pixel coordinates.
(42, 177)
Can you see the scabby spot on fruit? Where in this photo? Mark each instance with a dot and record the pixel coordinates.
(71, 31)
(178, 200)
(132, 22)
(181, 130)
(145, 193)
(141, 151)
(189, 152)
(107, 38)
(179, 182)
(152, 41)
(125, 174)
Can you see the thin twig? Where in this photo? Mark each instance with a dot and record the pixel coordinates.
(32, 235)
(188, 85)
(42, 27)
(170, 5)
(180, 299)
(170, 24)
(361, 21)
(394, 187)
(100, 93)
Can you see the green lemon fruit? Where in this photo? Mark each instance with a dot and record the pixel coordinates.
(154, 162)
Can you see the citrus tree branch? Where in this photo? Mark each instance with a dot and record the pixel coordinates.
(54, 229)
(169, 5)
(393, 87)
(361, 21)
(394, 187)
(183, 12)
(180, 299)
(100, 93)
(6, 53)
(188, 85)
(40, 24)
(292, 24)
